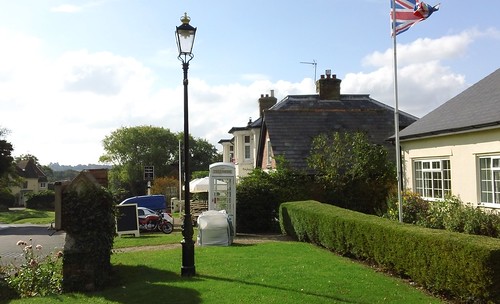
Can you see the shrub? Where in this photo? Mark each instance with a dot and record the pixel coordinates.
(466, 267)
(43, 200)
(355, 173)
(415, 209)
(450, 214)
(7, 199)
(259, 195)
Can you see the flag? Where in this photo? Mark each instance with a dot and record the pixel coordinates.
(409, 12)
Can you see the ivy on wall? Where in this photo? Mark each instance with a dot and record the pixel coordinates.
(88, 217)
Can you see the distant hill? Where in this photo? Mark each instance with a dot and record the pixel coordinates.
(57, 167)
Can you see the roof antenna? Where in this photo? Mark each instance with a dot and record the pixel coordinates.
(313, 63)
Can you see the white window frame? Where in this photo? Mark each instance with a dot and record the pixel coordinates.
(489, 181)
(432, 178)
(247, 149)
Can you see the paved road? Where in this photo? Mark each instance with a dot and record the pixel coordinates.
(50, 240)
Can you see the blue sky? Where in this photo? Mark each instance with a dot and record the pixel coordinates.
(71, 72)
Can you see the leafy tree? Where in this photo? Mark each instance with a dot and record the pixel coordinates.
(8, 174)
(129, 149)
(354, 173)
(203, 153)
(5, 153)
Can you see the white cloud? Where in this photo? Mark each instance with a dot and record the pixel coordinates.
(71, 8)
(60, 110)
(66, 8)
(424, 81)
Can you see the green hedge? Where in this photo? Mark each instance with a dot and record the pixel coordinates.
(465, 267)
(43, 200)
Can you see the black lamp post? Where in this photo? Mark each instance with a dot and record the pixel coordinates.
(185, 39)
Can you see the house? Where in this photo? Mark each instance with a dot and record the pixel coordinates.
(286, 129)
(455, 149)
(289, 127)
(241, 150)
(33, 181)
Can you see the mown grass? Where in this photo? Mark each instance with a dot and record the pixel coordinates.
(148, 239)
(27, 216)
(276, 272)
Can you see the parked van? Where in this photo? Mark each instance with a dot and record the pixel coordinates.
(153, 202)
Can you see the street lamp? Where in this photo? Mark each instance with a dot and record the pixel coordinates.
(185, 39)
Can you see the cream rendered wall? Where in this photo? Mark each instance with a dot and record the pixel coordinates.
(245, 166)
(226, 152)
(462, 150)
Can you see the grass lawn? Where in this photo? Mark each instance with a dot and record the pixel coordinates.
(149, 239)
(27, 216)
(274, 272)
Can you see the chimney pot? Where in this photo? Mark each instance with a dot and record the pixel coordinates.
(266, 102)
(329, 87)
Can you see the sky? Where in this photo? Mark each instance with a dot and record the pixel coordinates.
(72, 72)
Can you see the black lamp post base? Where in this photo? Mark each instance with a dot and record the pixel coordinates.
(188, 269)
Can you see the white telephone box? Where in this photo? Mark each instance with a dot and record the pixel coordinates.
(222, 190)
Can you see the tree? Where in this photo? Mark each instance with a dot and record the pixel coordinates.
(203, 154)
(355, 173)
(5, 153)
(129, 149)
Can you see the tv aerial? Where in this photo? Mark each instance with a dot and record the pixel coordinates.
(315, 64)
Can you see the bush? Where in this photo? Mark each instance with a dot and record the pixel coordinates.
(355, 173)
(43, 200)
(415, 209)
(466, 267)
(7, 198)
(259, 195)
(450, 214)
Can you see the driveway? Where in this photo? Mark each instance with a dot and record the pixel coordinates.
(51, 241)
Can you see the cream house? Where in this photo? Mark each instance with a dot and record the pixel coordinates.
(241, 150)
(33, 181)
(455, 149)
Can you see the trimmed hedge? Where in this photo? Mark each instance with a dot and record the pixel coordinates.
(43, 200)
(465, 267)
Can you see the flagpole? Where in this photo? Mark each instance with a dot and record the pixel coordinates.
(396, 112)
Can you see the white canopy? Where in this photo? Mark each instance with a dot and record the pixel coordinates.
(202, 184)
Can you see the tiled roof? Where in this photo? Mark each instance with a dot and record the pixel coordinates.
(476, 107)
(294, 122)
(28, 169)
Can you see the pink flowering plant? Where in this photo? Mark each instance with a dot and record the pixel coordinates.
(38, 274)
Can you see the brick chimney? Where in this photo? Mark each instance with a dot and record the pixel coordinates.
(328, 87)
(265, 102)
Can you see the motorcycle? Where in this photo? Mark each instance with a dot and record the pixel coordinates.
(155, 221)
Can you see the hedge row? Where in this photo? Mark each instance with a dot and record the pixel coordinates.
(465, 267)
